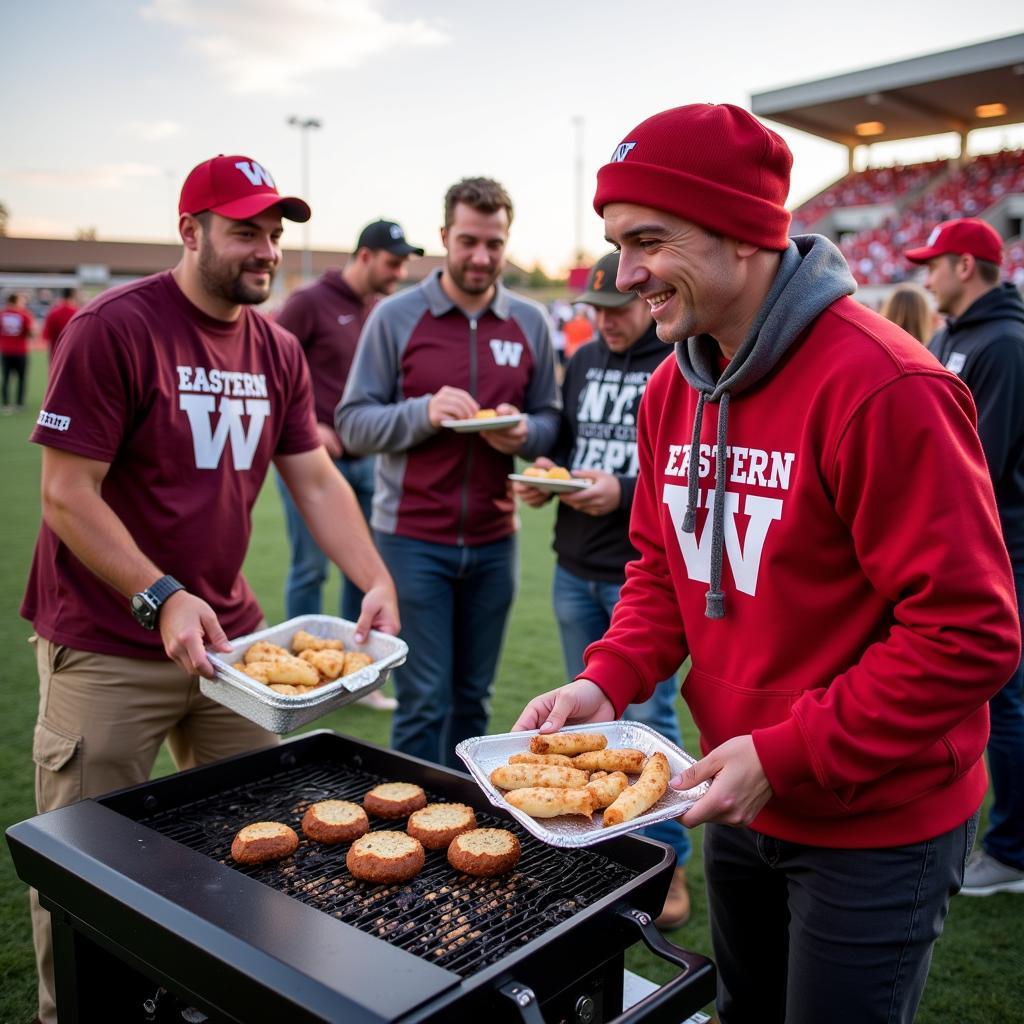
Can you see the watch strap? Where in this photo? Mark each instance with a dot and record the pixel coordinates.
(162, 589)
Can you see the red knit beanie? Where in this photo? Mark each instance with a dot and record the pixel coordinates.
(713, 164)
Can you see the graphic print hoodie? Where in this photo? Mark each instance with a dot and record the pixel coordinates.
(852, 605)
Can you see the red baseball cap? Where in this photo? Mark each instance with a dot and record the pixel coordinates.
(956, 237)
(236, 187)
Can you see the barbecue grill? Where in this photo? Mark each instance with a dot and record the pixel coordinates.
(153, 921)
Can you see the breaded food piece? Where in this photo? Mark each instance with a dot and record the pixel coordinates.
(606, 788)
(527, 758)
(485, 414)
(621, 759)
(545, 802)
(558, 473)
(394, 800)
(335, 821)
(485, 852)
(303, 641)
(436, 825)
(643, 794)
(287, 690)
(385, 857)
(354, 661)
(262, 841)
(570, 743)
(263, 650)
(284, 670)
(329, 664)
(523, 776)
(539, 471)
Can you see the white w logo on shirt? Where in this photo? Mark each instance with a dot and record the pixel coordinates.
(256, 174)
(506, 353)
(744, 560)
(208, 444)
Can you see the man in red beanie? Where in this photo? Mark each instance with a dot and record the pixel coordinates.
(168, 399)
(983, 343)
(816, 530)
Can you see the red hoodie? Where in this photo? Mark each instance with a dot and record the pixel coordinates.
(869, 605)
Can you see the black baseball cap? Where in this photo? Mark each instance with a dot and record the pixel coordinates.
(386, 234)
(601, 290)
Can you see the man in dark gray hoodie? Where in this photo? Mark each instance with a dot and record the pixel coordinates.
(983, 343)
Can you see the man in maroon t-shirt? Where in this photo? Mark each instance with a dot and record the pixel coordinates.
(168, 400)
(16, 326)
(58, 317)
(327, 317)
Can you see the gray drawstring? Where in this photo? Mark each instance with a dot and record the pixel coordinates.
(715, 608)
(690, 516)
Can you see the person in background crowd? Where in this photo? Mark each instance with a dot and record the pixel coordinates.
(983, 343)
(167, 401)
(327, 317)
(907, 306)
(16, 328)
(57, 319)
(842, 655)
(443, 512)
(578, 331)
(601, 393)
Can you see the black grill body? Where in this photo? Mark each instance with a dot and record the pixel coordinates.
(145, 898)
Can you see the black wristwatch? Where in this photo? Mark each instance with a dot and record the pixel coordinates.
(147, 603)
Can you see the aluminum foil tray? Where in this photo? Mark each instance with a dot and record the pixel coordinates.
(279, 713)
(483, 754)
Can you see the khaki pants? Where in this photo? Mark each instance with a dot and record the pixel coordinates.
(101, 722)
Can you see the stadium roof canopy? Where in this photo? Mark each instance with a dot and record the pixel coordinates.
(941, 92)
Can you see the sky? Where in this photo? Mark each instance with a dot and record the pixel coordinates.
(108, 104)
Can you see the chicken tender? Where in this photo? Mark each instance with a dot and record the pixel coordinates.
(548, 802)
(623, 759)
(522, 776)
(262, 650)
(291, 671)
(303, 641)
(329, 663)
(527, 758)
(644, 794)
(569, 743)
(354, 661)
(606, 789)
(287, 690)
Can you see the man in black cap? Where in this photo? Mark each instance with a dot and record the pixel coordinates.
(327, 317)
(601, 393)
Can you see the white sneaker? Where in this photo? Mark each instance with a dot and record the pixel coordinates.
(378, 701)
(985, 875)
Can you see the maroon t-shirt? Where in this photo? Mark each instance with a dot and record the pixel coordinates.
(188, 411)
(15, 328)
(326, 317)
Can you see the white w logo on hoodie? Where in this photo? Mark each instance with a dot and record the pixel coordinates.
(506, 353)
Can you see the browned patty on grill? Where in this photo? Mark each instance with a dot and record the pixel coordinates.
(335, 821)
(262, 841)
(385, 857)
(436, 825)
(394, 799)
(484, 851)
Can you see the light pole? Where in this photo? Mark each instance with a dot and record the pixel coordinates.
(578, 124)
(304, 124)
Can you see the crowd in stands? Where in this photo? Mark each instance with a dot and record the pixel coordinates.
(875, 254)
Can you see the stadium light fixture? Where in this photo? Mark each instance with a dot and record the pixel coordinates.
(868, 128)
(990, 109)
(305, 124)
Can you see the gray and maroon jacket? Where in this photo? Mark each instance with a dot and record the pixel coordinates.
(437, 485)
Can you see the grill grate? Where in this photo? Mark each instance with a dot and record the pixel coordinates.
(460, 923)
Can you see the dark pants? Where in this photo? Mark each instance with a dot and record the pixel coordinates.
(454, 602)
(808, 935)
(1004, 839)
(13, 367)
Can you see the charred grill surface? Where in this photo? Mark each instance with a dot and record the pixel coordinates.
(457, 922)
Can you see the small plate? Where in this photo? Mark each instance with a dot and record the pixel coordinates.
(475, 426)
(551, 484)
(483, 754)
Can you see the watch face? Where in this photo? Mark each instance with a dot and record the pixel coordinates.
(144, 612)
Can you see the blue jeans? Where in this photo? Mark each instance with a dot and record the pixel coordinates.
(583, 609)
(809, 934)
(307, 572)
(1004, 838)
(454, 602)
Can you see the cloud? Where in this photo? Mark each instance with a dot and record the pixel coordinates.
(110, 176)
(265, 47)
(153, 131)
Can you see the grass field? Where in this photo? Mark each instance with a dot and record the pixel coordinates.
(977, 972)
